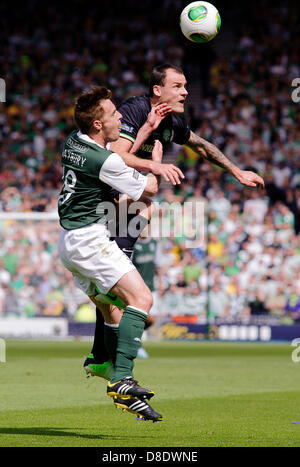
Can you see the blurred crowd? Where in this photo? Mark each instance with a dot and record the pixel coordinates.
(247, 267)
(33, 282)
(47, 61)
(253, 251)
(250, 264)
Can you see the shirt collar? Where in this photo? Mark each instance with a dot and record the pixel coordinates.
(88, 139)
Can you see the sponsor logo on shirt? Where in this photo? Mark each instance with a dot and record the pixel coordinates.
(167, 135)
(135, 174)
(73, 158)
(75, 145)
(126, 127)
(147, 147)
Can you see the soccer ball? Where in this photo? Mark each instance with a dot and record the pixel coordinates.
(200, 21)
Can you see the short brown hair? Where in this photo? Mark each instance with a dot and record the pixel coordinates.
(158, 75)
(87, 108)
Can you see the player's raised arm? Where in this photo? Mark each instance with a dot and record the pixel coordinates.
(211, 153)
(168, 172)
(126, 180)
(126, 148)
(155, 117)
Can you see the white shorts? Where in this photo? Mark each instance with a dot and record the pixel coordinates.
(94, 260)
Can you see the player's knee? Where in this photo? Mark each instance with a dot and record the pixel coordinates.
(144, 301)
(149, 301)
(150, 320)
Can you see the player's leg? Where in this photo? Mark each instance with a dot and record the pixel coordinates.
(151, 318)
(99, 351)
(127, 394)
(126, 243)
(97, 262)
(131, 328)
(97, 361)
(142, 353)
(133, 404)
(113, 272)
(111, 319)
(132, 289)
(100, 362)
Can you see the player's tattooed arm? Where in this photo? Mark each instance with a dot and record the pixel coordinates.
(212, 154)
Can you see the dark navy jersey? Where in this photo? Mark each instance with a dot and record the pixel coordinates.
(135, 111)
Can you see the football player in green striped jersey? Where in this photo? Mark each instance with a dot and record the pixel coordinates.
(96, 262)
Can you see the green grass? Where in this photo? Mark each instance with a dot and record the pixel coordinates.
(211, 394)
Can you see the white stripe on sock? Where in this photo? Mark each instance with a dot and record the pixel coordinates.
(137, 309)
(111, 325)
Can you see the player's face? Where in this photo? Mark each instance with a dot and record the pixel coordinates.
(111, 121)
(174, 92)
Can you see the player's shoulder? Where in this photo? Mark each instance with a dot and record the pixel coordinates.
(80, 146)
(138, 103)
(179, 119)
(134, 111)
(181, 129)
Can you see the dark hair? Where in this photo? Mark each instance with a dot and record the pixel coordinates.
(87, 108)
(158, 75)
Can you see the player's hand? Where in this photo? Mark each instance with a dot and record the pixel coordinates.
(250, 179)
(157, 114)
(168, 171)
(157, 151)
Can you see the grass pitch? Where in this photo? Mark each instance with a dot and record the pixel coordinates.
(210, 394)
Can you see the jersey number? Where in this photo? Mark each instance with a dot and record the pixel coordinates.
(69, 183)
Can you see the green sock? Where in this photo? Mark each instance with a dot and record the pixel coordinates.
(131, 328)
(111, 332)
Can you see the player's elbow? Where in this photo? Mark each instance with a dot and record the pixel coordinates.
(152, 186)
(151, 191)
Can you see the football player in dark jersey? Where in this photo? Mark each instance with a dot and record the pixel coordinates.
(167, 85)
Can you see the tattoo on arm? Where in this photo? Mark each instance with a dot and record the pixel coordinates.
(210, 152)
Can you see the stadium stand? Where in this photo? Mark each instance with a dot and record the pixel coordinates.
(252, 253)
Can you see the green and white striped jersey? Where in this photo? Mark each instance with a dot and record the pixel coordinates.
(89, 172)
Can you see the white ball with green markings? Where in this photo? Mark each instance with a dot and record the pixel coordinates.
(200, 21)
